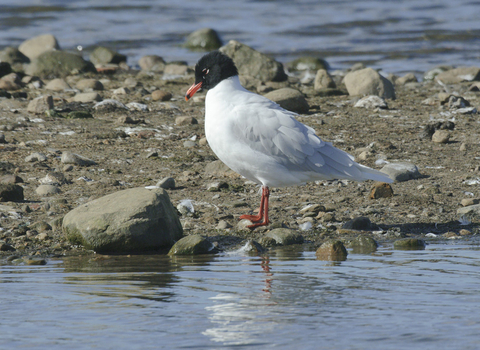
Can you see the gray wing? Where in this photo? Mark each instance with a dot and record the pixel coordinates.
(267, 128)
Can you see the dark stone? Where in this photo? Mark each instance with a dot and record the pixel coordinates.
(5, 69)
(361, 223)
(381, 190)
(11, 193)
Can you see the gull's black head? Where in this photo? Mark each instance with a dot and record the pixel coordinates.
(210, 70)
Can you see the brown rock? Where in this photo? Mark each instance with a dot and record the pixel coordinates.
(332, 250)
(469, 201)
(464, 232)
(381, 190)
(160, 95)
(185, 120)
(441, 136)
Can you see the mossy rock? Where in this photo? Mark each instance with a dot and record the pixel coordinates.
(409, 244)
(205, 39)
(332, 250)
(53, 64)
(363, 245)
(192, 245)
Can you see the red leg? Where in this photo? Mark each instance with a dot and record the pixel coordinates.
(262, 212)
(259, 217)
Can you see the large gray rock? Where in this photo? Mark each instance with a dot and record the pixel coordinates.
(59, 64)
(290, 99)
(34, 47)
(132, 220)
(402, 171)
(104, 55)
(253, 63)
(368, 82)
(203, 39)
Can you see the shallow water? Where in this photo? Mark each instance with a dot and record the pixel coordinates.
(397, 36)
(386, 300)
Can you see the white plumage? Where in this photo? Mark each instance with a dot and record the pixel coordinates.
(258, 139)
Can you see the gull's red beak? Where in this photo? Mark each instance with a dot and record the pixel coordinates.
(193, 89)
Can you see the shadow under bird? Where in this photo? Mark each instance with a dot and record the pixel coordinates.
(263, 142)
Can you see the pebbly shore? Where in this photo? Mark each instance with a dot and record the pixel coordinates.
(73, 131)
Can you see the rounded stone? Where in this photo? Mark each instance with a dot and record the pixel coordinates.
(441, 136)
(166, 183)
(204, 39)
(402, 171)
(57, 85)
(192, 245)
(11, 193)
(361, 223)
(409, 244)
(160, 95)
(253, 63)
(132, 220)
(152, 63)
(45, 190)
(104, 55)
(34, 47)
(89, 84)
(363, 245)
(332, 250)
(323, 80)
(284, 236)
(368, 82)
(290, 99)
(59, 64)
